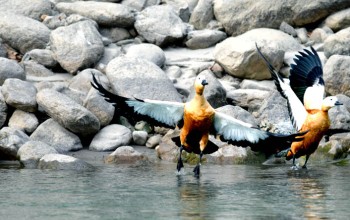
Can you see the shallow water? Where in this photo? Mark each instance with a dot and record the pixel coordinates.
(154, 191)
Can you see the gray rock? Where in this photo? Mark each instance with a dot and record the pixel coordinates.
(338, 43)
(202, 14)
(143, 126)
(23, 33)
(3, 110)
(104, 13)
(336, 148)
(134, 77)
(239, 57)
(345, 100)
(157, 31)
(63, 162)
(76, 46)
(3, 51)
(266, 85)
(53, 134)
(140, 4)
(338, 20)
(32, 151)
(67, 112)
(336, 79)
(238, 113)
(149, 52)
(288, 29)
(82, 81)
(139, 137)
(154, 141)
(204, 38)
(20, 94)
(167, 149)
(33, 10)
(23, 121)
(115, 34)
(319, 35)
(302, 35)
(110, 138)
(340, 118)
(125, 154)
(181, 8)
(10, 69)
(250, 99)
(41, 56)
(11, 140)
(55, 21)
(110, 52)
(32, 68)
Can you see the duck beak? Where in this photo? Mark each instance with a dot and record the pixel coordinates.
(204, 82)
(338, 103)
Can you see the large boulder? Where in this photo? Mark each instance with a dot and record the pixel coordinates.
(11, 140)
(170, 28)
(23, 33)
(53, 134)
(338, 20)
(76, 46)
(338, 43)
(202, 14)
(63, 162)
(240, 16)
(67, 112)
(34, 10)
(149, 52)
(10, 69)
(104, 13)
(139, 78)
(32, 151)
(239, 57)
(335, 75)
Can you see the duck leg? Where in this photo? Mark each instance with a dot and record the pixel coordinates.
(294, 167)
(196, 170)
(179, 161)
(307, 158)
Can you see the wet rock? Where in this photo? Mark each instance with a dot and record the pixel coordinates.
(336, 79)
(154, 141)
(32, 68)
(23, 33)
(228, 154)
(338, 43)
(104, 13)
(10, 69)
(139, 137)
(338, 20)
(204, 38)
(167, 149)
(3, 110)
(163, 31)
(238, 113)
(239, 57)
(202, 14)
(110, 138)
(134, 77)
(32, 151)
(20, 94)
(33, 10)
(11, 140)
(63, 162)
(125, 154)
(149, 52)
(250, 99)
(42, 56)
(23, 121)
(76, 46)
(67, 112)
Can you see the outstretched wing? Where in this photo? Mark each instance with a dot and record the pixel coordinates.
(297, 112)
(159, 113)
(243, 134)
(306, 78)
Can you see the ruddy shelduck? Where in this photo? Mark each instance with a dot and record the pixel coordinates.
(308, 109)
(197, 119)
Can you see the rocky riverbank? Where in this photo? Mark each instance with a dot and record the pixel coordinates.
(154, 49)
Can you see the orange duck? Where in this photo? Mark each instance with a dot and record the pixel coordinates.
(308, 109)
(197, 119)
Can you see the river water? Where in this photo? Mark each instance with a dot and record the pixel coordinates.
(154, 191)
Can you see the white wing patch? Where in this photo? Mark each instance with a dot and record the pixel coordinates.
(313, 97)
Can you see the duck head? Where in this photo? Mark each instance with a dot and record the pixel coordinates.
(330, 102)
(199, 84)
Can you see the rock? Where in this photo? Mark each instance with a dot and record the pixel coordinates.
(41, 56)
(63, 162)
(333, 149)
(154, 141)
(214, 91)
(110, 138)
(336, 79)
(157, 31)
(32, 68)
(104, 13)
(20, 94)
(82, 81)
(10, 69)
(139, 78)
(23, 121)
(302, 35)
(338, 20)
(230, 154)
(3, 51)
(181, 8)
(23, 33)
(110, 52)
(239, 57)
(149, 52)
(250, 99)
(76, 46)
(33, 10)
(140, 4)
(204, 38)
(3, 110)
(125, 154)
(53, 134)
(30, 153)
(115, 34)
(238, 17)
(319, 35)
(167, 149)
(67, 112)
(143, 126)
(266, 85)
(11, 140)
(238, 113)
(338, 43)
(139, 137)
(288, 29)
(345, 100)
(202, 14)
(340, 118)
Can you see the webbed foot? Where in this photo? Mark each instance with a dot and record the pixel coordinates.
(196, 171)
(179, 165)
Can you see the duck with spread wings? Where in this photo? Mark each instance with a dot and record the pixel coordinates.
(197, 119)
(308, 109)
